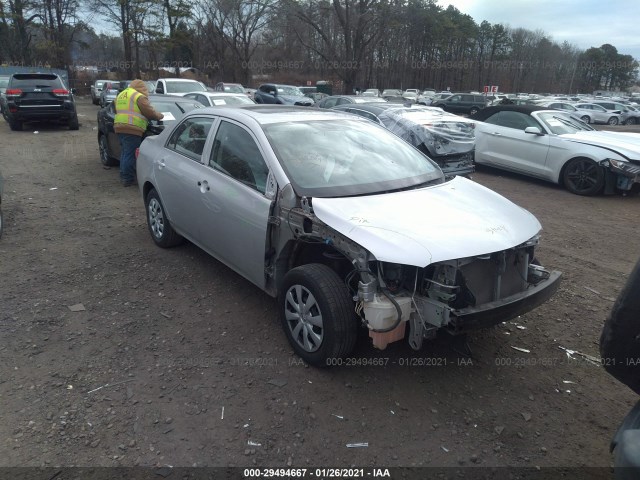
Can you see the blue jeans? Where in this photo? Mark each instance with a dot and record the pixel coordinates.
(128, 145)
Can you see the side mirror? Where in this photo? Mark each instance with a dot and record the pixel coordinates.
(533, 131)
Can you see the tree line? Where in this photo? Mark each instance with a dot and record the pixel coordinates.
(351, 43)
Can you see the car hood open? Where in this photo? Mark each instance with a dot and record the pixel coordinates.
(623, 143)
(456, 219)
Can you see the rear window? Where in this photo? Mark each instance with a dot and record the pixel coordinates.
(35, 81)
(184, 87)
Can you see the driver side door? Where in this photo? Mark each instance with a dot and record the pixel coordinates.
(504, 143)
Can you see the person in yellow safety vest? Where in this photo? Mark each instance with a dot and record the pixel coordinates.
(133, 112)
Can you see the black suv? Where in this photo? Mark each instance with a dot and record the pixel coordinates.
(39, 97)
(468, 103)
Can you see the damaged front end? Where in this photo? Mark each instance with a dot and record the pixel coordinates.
(625, 173)
(445, 138)
(455, 295)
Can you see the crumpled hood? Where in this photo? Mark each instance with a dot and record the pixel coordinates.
(456, 219)
(627, 144)
(295, 98)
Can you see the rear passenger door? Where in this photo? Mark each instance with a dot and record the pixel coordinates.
(178, 174)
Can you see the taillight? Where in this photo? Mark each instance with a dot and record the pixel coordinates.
(60, 92)
(13, 92)
(137, 153)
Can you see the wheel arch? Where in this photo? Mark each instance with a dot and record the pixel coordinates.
(568, 160)
(296, 253)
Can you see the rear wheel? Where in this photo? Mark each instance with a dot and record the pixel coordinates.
(15, 125)
(73, 123)
(160, 228)
(316, 311)
(583, 176)
(585, 119)
(473, 111)
(613, 121)
(105, 158)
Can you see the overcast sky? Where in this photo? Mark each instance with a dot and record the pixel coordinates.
(583, 23)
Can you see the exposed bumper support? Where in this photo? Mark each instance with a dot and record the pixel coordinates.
(492, 313)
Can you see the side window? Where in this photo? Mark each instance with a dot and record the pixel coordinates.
(329, 102)
(516, 120)
(455, 99)
(235, 153)
(190, 136)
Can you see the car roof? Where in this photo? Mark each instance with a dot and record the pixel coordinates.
(179, 80)
(268, 114)
(486, 112)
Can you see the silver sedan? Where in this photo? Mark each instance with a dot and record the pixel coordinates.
(344, 222)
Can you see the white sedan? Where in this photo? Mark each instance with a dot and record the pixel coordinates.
(553, 146)
(345, 223)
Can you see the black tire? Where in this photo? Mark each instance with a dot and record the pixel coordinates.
(474, 110)
(1, 222)
(583, 176)
(619, 339)
(15, 125)
(631, 121)
(160, 228)
(73, 123)
(105, 158)
(336, 335)
(613, 121)
(585, 119)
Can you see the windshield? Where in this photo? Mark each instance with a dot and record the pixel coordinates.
(184, 87)
(233, 89)
(173, 110)
(338, 158)
(561, 124)
(287, 90)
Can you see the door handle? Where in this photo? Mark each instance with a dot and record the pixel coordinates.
(161, 164)
(497, 134)
(204, 186)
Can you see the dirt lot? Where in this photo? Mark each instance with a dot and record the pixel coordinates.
(176, 360)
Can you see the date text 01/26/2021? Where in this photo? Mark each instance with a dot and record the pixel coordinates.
(319, 473)
(402, 362)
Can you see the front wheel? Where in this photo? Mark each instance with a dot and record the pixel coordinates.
(585, 119)
(631, 121)
(583, 176)
(473, 111)
(160, 228)
(316, 312)
(613, 121)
